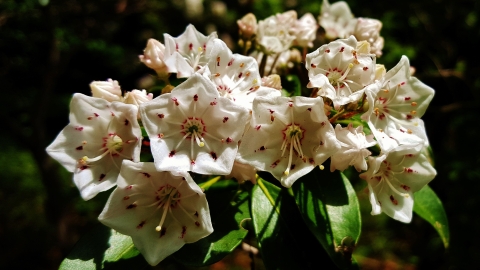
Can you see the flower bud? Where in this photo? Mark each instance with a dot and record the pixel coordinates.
(153, 57)
(272, 81)
(247, 26)
(379, 71)
(305, 30)
(108, 90)
(369, 30)
(137, 97)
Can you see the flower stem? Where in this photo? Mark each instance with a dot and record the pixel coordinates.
(263, 64)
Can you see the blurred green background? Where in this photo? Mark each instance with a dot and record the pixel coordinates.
(51, 49)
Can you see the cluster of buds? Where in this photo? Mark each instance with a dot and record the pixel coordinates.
(227, 118)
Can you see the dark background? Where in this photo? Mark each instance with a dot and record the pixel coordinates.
(52, 49)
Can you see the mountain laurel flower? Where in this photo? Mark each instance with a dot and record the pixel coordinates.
(247, 26)
(353, 151)
(305, 30)
(347, 70)
(288, 137)
(161, 211)
(154, 57)
(393, 177)
(193, 128)
(186, 54)
(92, 146)
(273, 36)
(287, 18)
(369, 30)
(108, 90)
(235, 76)
(336, 19)
(396, 105)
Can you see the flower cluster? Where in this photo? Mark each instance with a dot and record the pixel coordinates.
(230, 117)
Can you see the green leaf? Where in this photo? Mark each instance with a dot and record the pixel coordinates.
(104, 248)
(291, 86)
(329, 205)
(428, 206)
(227, 215)
(283, 238)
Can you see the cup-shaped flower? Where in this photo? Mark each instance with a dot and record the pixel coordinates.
(193, 128)
(236, 76)
(336, 19)
(395, 105)
(92, 146)
(305, 30)
(369, 30)
(347, 70)
(273, 36)
(353, 151)
(393, 177)
(247, 26)
(108, 90)
(161, 211)
(186, 54)
(288, 137)
(154, 57)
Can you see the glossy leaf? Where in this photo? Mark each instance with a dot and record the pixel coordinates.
(283, 238)
(428, 206)
(329, 205)
(228, 208)
(104, 248)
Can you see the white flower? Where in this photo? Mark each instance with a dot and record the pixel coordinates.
(305, 30)
(247, 25)
(353, 151)
(288, 137)
(287, 18)
(154, 57)
(92, 146)
(346, 70)
(336, 19)
(193, 128)
(186, 54)
(392, 179)
(161, 211)
(395, 106)
(108, 90)
(235, 76)
(273, 36)
(369, 30)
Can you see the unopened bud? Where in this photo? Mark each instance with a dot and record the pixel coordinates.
(153, 57)
(108, 90)
(247, 26)
(272, 81)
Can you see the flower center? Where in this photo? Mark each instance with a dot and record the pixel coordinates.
(194, 57)
(112, 145)
(336, 77)
(194, 128)
(167, 197)
(292, 137)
